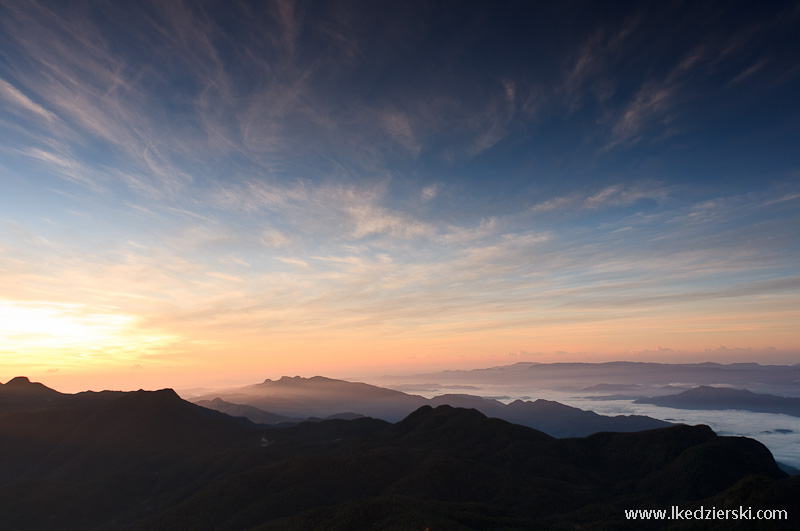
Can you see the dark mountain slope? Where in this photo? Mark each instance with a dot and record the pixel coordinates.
(121, 458)
(21, 394)
(755, 493)
(149, 460)
(22, 386)
(142, 423)
(459, 468)
(447, 428)
(401, 513)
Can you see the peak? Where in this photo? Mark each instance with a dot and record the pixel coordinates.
(301, 380)
(21, 384)
(165, 394)
(284, 379)
(162, 396)
(441, 414)
(459, 429)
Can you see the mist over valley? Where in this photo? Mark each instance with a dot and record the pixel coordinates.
(149, 460)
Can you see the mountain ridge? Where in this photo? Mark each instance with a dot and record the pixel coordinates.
(149, 460)
(320, 397)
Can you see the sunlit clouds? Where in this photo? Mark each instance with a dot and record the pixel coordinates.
(281, 187)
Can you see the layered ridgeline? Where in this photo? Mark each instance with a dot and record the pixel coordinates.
(320, 397)
(707, 397)
(148, 460)
(618, 377)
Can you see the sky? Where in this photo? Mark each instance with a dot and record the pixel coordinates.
(198, 192)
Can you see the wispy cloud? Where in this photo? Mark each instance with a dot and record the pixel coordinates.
(611, 196)
(341, 211)
(9, 93)
(284, 172)
(661, 100)
(399, 127)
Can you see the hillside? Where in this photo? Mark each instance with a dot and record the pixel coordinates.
(320, 397)
(148, 460)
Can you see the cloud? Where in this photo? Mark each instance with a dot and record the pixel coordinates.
(67, 168)
(465, 235)
(430, 192)
(662, 100)
(749, 71)
(220, 187)
(651, 102)
(611, 196)
(347, 212)
(14, 96)
(586, 72)
(74, 74)
(273, 238)
(494, 122)
(511, 91)
(398, 125)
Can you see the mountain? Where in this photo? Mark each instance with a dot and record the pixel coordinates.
(553, 418)
(319, 396)
(148, 460)
(22, 386)
(705, 397)
(454, 468)
(782, 379)
(20, 393)
(259, 416)
(108, 459)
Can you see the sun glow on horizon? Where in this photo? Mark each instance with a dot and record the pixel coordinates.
(53, 335)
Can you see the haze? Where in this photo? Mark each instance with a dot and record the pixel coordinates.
(221, 192)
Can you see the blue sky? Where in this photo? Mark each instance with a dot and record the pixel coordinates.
(225, 187)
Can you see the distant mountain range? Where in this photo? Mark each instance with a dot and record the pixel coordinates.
(273, 402)
(148, 460)
(705, 397)
(321, 397)
(780, 379)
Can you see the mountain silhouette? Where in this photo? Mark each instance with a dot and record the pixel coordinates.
(101, 458)
(781, 379)
(20, 393)
(21, 385)
(259, 416)
(706, 397)
(148, 460)
(454, 468)
(319, 396)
